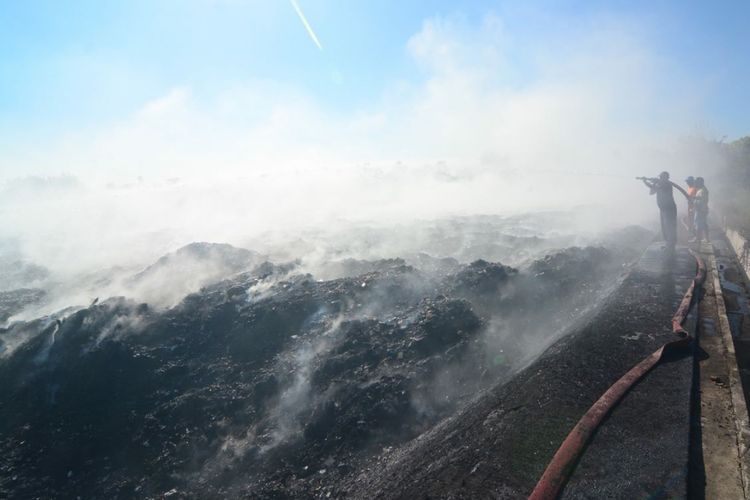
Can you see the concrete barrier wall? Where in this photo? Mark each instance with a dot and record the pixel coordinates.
(741, 248)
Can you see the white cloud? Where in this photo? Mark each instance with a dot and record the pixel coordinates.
(597, 91)
(174, 101)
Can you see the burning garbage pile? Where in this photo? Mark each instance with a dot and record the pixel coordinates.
(272, 383)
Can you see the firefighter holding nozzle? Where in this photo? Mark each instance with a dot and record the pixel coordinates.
(662, 187)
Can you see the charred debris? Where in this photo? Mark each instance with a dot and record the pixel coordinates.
(274, 383)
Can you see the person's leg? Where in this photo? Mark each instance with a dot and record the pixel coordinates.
(672, 227)
(701, 225)
(664, 225)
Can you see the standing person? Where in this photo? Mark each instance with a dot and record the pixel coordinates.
(662, 188)
(700, 203)
(691, 190)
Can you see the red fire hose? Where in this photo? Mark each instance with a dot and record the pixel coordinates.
(560, 468)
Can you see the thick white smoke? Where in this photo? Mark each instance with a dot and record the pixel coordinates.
(472, 134)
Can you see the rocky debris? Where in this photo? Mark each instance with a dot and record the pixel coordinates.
(212, 261)
(481, 281)
(434, 265)
(355, 267)
(188, 269)
(483, 277)
(571, 264)
(271, 383)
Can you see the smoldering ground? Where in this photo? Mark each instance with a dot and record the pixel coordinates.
(275, 381)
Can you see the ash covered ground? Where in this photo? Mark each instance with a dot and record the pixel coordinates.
(226, 372)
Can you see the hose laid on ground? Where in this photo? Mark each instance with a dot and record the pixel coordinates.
(561, 467)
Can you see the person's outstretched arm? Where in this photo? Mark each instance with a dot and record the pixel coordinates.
(651, 185)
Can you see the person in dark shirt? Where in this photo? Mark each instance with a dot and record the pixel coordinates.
(662, 188)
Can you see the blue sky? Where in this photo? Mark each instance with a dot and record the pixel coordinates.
(76, 66)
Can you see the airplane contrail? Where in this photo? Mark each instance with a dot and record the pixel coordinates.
(307, 25)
